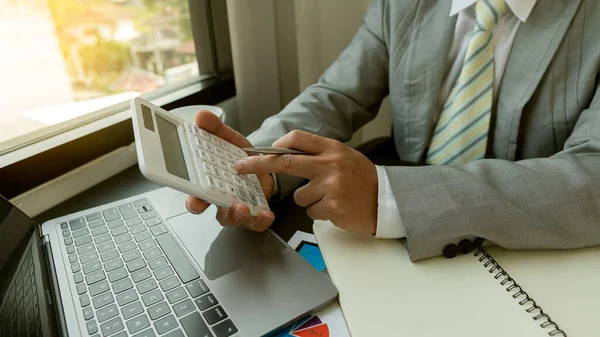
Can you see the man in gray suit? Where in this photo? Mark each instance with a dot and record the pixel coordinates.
(499, 100)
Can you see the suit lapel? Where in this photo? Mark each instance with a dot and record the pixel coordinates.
(426, 63)
(534, 46)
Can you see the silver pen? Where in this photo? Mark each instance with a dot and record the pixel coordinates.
(272, 150)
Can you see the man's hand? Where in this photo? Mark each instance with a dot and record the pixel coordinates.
(343, 182)
(238, 214)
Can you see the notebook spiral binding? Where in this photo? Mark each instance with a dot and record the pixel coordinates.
(510, 284)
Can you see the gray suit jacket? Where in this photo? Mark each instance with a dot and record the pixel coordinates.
(541, 186)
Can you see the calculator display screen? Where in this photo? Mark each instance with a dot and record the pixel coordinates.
(171, 148)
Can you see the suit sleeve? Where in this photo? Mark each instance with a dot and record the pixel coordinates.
(545, 203)
(346, 97)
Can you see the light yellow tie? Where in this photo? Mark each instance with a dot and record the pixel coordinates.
(462, 131)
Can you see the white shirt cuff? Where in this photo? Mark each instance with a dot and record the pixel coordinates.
(389, 223)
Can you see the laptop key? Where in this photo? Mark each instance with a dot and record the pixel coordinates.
(102, 300)
(146, 333)
(113, 264)
(165, 324)
(106, 246)
(72, 258)
(100, 239)
(96, 224)
(149, 215)
(83, 240)
(132, 255)
(183, 308)
(88, 313)
(89, 257)
(127, 297)
(68, 241)
(113, 326)
(119, 231)
(84, 300)
(95, 277)
(141, 202)
(180, 262)
(170, 283)
(214, 315)
(89, 247)
(127, 211)
(110, 255)
(163, 272)
(127, 246)
(75, 267)
(153, 222)
(146, 286)
(99, 231)
(206, 302)
(123, 238)
(122, 285)
(147, 245)
(135, 265)
(225, 329)
(93, 217)
(66, 233)
(78, 277)
(143, 236)
(80, 232)
(133, 222)
(91, 326)
(194, 325)
(107, 313)
(64, 226)
(159, 310)
(197, 288)
(138, 323)
(176, 295)
(157, 263)
(99, 288)
(132, 309)
(70, 249)
(175, 333)
(81, 288)
(111, 214)
(141, 275)
(92, 267)
(76, 224)
(158, 230)
(137, 229)
(115, 224)
(152, 297)
(117, 274)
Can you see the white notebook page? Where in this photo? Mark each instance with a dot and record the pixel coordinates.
(566, 284)
(382, 293)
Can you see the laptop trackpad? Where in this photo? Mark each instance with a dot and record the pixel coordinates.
(222, 250)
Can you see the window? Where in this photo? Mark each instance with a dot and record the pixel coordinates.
(69, 65)
(65, 59)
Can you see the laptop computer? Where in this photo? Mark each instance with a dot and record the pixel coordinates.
(144, 267)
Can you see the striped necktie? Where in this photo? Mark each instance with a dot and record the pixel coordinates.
(462, 131)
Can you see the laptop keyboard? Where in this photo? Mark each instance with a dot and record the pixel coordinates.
(133, 279)
(20, 314)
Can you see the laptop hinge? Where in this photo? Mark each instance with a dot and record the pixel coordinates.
(39, 230)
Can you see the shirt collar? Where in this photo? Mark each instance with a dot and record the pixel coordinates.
(521, 8)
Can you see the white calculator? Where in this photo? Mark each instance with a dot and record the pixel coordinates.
(178, 154)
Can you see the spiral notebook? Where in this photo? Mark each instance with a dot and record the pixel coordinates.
(490, 292)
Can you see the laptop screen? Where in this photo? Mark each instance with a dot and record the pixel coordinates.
(15, 231)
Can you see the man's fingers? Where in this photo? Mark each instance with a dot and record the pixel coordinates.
(234, 216)
(210, 122)
(308, 194)
(295, 165)
(318, 211)
(304, 141)
(195, 205)
(262, 221)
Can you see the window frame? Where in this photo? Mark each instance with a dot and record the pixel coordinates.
(32, 160)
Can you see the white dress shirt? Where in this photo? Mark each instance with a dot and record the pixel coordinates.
(389, 220)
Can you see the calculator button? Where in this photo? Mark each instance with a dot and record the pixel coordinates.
(224, 145)
(215, 171)
(211, 158)
(223, 163)
(207, 167)
(237, 151)
(193, 128)
(215, 140)
(208, 146)
(231, 190)
(200, 154)
(242, 194)
(262, 202)
(227, 176)
(247, 185)
(252, 198)
(257, 188)
(232, 168)
(230, 158)
(211, 182)
(238, 181)
(220, 185)
(219, 152)
(204, 134)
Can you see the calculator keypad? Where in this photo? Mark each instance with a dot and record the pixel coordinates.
(214, 159)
